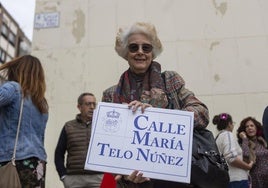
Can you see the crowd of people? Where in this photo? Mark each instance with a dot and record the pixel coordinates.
(142, 85)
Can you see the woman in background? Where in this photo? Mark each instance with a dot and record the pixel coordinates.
(250, 137)
(25, 80)
(232, 152)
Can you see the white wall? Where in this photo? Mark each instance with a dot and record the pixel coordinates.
(220, 47)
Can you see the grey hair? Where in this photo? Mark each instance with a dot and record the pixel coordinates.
(142, 28)
(81, 97)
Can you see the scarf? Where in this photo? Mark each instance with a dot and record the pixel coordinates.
(252, 147)
(147, 88)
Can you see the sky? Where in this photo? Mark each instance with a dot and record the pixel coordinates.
(23, 13)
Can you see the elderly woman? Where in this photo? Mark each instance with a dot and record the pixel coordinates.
(143, 85)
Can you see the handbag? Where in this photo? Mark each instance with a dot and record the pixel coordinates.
(209, 168)
(9, 177)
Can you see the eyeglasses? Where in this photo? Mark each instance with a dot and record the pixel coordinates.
(89, 103)
(146, 48)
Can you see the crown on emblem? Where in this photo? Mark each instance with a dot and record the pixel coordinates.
(113, 114)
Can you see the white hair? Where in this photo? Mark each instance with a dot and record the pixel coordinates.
(142, 28)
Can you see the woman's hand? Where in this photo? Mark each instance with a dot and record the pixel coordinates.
(135, 177)
(243, 135)
(250, 164)
(134, 105)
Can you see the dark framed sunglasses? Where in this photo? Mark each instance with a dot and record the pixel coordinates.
(146, 48)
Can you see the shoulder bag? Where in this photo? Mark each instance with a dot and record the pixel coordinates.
(9, 176)
(209, 168)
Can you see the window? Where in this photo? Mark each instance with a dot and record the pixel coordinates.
(2, 56)
(12, 38)
(4, 30)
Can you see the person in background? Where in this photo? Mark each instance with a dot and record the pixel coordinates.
(254, 146)
(232, 152)
(265, 123)
(74, 139)
(25, 80)
(143, 85)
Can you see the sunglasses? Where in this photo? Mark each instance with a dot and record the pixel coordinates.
(146, 48)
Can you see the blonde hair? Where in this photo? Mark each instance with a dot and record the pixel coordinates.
(28, 72)
(147, 29)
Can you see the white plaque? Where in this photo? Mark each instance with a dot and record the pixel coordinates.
(47, 20)
(157, 142)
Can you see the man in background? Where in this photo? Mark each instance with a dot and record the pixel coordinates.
(74, 139)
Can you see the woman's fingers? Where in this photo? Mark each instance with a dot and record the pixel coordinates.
(117, 177)
(134, 105)
(145, 105)
(136, 177)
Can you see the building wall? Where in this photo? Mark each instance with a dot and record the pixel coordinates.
(13, 42)
(218, 46)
